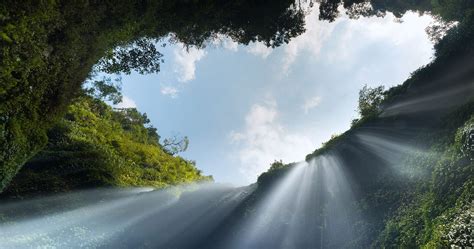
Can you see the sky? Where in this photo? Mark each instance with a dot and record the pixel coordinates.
(244, 107)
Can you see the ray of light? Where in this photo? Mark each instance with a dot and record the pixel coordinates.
(434, 101)
(121, 219)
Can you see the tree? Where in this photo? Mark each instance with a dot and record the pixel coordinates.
(452, 10)
(329, 9)
(439, 29)
(106, 89)
(277, 164)
(97, 151)
(174, 145)
(140, 56)
(49, 48)
(153, 136)
(370, 100)
(129, 117)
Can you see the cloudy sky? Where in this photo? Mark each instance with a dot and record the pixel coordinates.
(244, 107)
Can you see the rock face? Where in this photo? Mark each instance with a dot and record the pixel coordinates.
(461, 233)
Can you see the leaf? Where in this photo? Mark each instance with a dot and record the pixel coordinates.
(5, 37)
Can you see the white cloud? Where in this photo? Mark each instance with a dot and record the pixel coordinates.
(225, 42)
(259, 49)
(407, 32)
(264, 139)
(317, 32)
(169, 91)
(311, 103)
(185, 62)
(126, 103)
(353, 35)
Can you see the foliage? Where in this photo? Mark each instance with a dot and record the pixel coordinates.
(452, 10)
(439, 29)
(141, 56)
(277, 165)
(419, 204)
(370, 100)
(49, 48)
(326, 146)
(106, 89)
(455, 46)
(276, 171)
(94, 145)
(174, 145)
(467, 139)
(425, 219)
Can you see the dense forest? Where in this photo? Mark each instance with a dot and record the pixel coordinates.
(55, 136)
(49, 49)
(94, 145)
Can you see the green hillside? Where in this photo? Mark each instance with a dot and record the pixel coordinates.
(418, 192)
(94, 145)
(406, 164)
(48, 49)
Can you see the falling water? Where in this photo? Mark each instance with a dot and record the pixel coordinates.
(310, 205)
(101, 218)
(309, 208)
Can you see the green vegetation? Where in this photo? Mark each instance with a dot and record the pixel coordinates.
(369, 107)
(429, 211)
(49, 48)
(94, 145)
(370, 100)
(448, 10)
(427, 202)
(454, 47)
(277, 170)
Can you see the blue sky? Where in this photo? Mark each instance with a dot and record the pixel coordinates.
(244, 107)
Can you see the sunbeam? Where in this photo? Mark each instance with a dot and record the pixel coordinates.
(283, 124)
(102, 222)
(437, 100)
